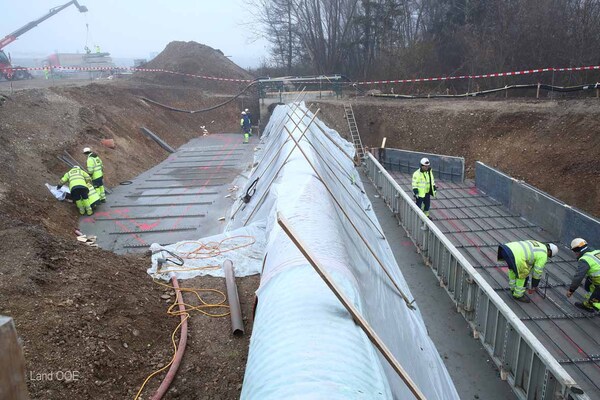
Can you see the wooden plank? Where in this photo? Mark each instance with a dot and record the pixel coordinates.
(360, 321)
(12, 363)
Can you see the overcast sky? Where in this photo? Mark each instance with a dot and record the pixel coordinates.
(133, 28)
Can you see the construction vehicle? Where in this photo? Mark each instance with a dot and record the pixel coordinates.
(7, 70)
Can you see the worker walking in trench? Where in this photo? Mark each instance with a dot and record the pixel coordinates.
(245, 125)
(423, 185)
(521, 258)
(588, 267)
(96, 170)
(78, 179)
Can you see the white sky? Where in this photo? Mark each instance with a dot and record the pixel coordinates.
(134, 28)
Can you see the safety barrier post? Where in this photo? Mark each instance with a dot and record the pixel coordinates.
(12, 363)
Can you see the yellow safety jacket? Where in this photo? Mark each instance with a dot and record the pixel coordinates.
(529, 254)
(76, 177)
(94, 166)
(593, 260)
(423, 181)
(93, 195)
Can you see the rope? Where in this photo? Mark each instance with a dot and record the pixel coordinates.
(212, 249)
(202, 110)
(182, 309)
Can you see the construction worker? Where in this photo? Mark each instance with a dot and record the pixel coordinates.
(93, 196)
(245, 125)
(78, 180)
(521, 258)
(423, 185)
(588, 266)
(247, 111)
(96, 171)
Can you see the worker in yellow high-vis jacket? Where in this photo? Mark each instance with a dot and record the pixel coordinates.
(245, 126)
(96, 170)
(588, 267)
(423, 185)
(522, 257)
(78, 179)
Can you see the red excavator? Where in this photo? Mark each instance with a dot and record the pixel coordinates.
(11, 72)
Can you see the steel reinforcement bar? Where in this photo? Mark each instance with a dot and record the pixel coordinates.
(522, 359)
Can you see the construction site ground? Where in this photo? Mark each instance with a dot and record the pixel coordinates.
(90, 310)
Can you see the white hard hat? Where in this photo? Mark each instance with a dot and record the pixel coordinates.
(553, 249)
(425, 161)
(243, 112)
(87, 150)
(578, 244)
(246, 110)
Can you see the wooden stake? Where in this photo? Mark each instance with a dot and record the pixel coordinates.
(537, 96)
(12, 363)
(360, 321)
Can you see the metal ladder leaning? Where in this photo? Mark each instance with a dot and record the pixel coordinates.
(360, 150)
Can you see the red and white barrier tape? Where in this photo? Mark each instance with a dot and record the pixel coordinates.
(442, 78)
(493, 75)
(132, 69)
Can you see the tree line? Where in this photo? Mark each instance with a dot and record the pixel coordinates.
(384, 39)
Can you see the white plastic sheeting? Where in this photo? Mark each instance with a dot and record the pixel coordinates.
(304, 343)
(244, 247)
(59, 194)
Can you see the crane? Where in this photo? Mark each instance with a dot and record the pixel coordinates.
(6, 69)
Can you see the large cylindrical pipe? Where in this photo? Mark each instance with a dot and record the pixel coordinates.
(237, 324)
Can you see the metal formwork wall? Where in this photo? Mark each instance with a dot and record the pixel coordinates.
(532, 371)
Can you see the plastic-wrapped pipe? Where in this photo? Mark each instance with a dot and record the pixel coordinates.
(237, 323)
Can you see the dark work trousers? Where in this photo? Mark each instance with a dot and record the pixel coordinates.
(97, 182)
(504, 254)
(79, 193)
(424, 203)
(588, 286)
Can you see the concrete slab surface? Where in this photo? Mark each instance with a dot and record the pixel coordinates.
(182, 198)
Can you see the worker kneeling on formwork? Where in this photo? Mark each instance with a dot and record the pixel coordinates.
(521, 258)
(78, 180)
(588, 267)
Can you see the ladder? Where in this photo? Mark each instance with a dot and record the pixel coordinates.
(360, 151)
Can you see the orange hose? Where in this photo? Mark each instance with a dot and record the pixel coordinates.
(164, 386)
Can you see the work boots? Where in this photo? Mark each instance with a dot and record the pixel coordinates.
(80, 206)
(586, 306)
(522, 299)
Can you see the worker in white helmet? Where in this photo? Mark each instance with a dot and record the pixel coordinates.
(96, 170)
(588, 267)
(521, 258)
(423, 185)
(245, 126)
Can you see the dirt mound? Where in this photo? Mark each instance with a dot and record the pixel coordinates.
(78, 311)
(197, 59)
(553, 145)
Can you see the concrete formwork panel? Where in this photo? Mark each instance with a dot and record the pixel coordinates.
(562, 221)
(444, 167)
(475, 227)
